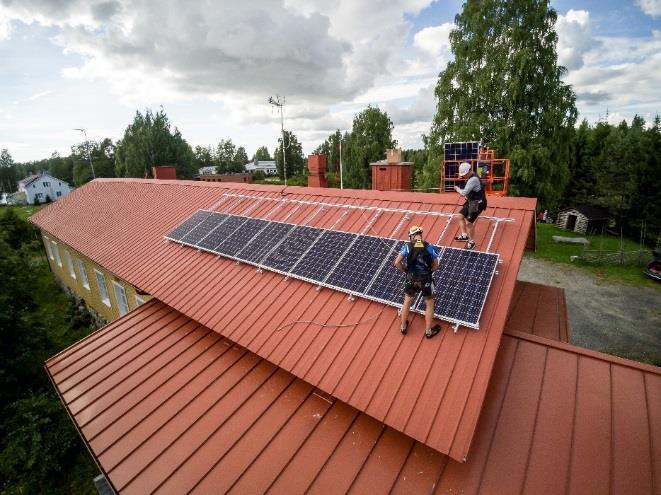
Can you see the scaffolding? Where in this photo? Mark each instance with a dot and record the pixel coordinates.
(493, 172)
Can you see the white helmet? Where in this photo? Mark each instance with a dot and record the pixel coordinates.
(464, 168)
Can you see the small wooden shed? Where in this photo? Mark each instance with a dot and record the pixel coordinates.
(582, 218)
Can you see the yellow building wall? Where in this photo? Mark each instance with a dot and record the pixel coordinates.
(91, 295)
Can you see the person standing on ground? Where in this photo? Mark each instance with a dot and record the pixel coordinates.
(476, 203)
(418, 259)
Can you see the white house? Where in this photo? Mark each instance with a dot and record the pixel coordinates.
(207, 171)
(266, 166)
(42, 185)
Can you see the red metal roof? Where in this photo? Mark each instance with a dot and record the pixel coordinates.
(432, 390)
(540, 310)
(166, 405)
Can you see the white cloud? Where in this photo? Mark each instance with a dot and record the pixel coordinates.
(574, 38)
(650, 7)
(621, 75)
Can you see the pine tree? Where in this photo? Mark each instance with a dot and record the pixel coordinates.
(504, 87)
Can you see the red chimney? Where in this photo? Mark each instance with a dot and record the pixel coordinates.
(317, 171)
(164, 172)
(391, 174)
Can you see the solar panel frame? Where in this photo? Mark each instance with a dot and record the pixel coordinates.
(241, 237)
(329, 248)
(288, 252)
(203, 229)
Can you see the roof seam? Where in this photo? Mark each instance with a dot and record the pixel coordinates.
(497, 421)
(570, 457)
(535, 423)
(367, 457)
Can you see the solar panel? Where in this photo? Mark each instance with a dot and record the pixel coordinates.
(203, 228)
(462, 282)
(292, 247)
(319, 261)
(184, 228)
(224, 227)
(352, 263)
(241, 236)
(360, 263)
(389, 283)
(263, 242)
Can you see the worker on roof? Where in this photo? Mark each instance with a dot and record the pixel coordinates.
(418, 259)
(476, 202)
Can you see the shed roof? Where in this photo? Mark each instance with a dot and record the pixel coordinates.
(431, 390)
(166, 405)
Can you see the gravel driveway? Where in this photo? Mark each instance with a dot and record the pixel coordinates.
(619, 319)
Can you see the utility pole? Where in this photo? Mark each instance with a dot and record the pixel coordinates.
(87, 146)
(280, 103)
(341, 182)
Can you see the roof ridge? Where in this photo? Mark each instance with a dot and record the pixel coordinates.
(602, 356)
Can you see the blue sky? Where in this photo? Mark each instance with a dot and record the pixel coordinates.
(212, 65)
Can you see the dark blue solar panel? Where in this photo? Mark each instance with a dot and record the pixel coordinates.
(319, 261)
(292, 247)
(241, 236)
(184, 228)
(462, 282)
(360, 264)
(204, 228)
(221, 232)
(263, 242)
(389, 283)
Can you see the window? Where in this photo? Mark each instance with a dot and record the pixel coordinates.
(58, 193)
(120, 296)
(83, 274)
(46, 184)
(103, 289)
(49, 248)
(39, 195)
(56, 252)
(67, 255)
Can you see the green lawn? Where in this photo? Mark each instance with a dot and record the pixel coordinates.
(24, 211)
(550, 250)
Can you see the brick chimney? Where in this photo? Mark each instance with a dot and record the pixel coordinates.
(164, 172)
(391, 174)
(317, 171)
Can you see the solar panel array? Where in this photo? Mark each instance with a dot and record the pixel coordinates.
(356, 264)
(462, 151)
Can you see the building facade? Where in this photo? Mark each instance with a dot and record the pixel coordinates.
(107, 295)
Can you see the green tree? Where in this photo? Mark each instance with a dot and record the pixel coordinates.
(294, 156)
(203, 156)
(103, 160)
(240, 159)
(331, 148)
(371, 135)
(419, 159)
(8, 178)
(148, 142)
(225, 156)
(262, 154)
(504, 87)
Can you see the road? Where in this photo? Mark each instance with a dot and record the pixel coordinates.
(610, 317)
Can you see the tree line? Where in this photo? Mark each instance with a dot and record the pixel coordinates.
(40, 451)
(504, 87)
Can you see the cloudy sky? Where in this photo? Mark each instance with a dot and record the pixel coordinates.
(212, 65)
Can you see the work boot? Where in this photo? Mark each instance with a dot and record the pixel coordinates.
(404, 328)
(470, 245)
(462, 237)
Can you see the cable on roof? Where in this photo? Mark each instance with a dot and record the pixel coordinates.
(330, 325)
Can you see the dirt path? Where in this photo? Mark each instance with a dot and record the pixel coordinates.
(604, 316)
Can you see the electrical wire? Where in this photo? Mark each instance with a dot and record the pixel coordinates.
(330, 325)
